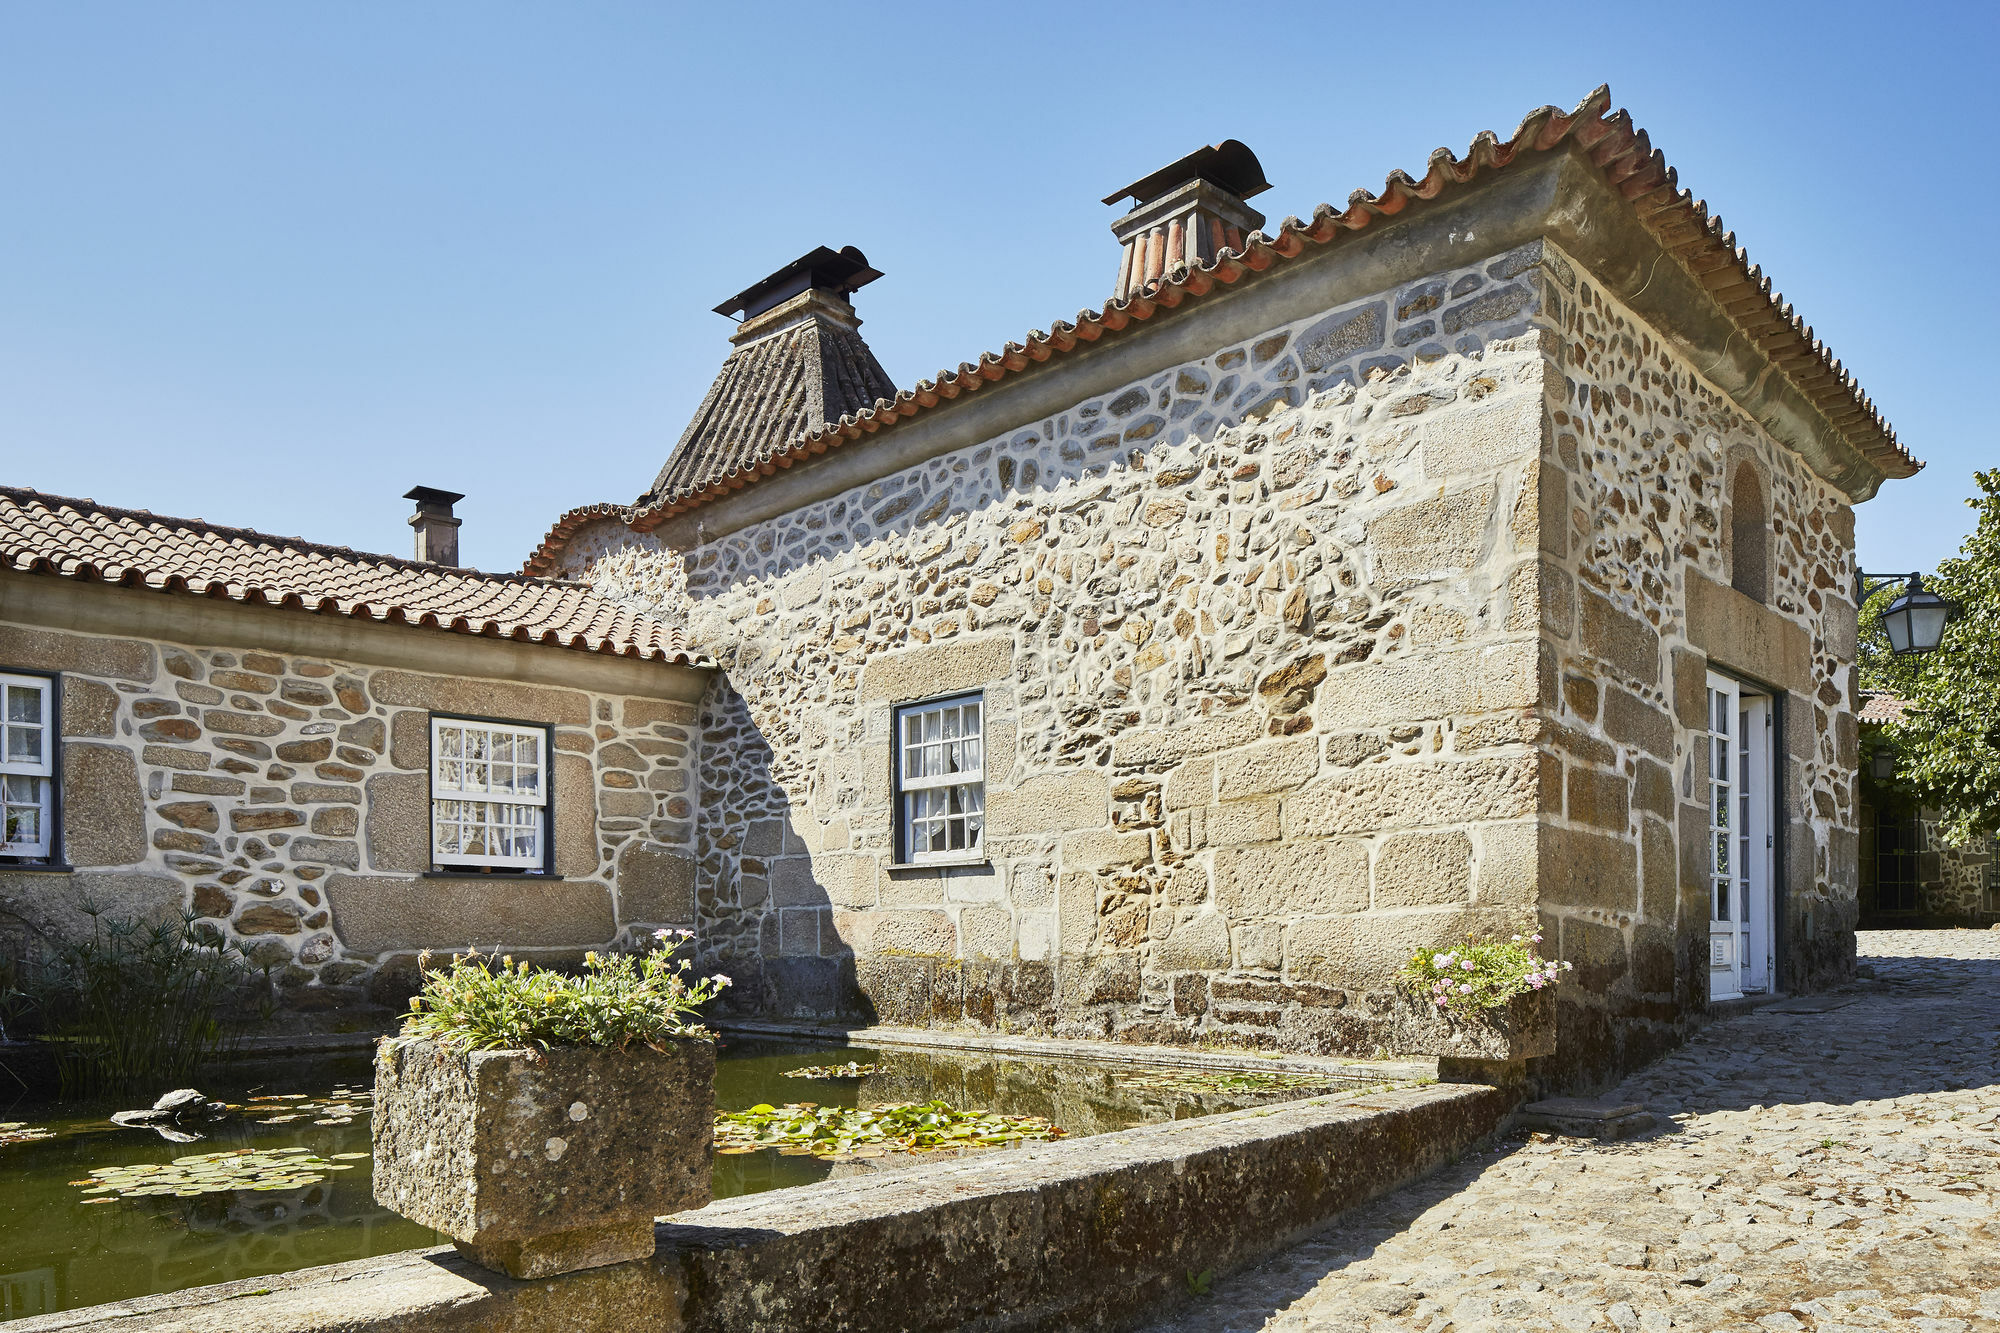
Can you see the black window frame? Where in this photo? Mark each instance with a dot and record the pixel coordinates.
(440, 870)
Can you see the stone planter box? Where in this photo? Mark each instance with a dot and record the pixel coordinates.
(544, 1165)
(1524, 1029)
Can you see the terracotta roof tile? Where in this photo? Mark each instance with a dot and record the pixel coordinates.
(1625, 155)
(1879, 706)
(80, 539)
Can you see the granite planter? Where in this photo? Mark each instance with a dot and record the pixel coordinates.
(543, 1164)
(1521, 1030)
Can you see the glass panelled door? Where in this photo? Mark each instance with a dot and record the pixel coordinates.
(1739, 828)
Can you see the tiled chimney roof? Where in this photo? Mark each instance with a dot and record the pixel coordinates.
(81, 539)
(1619, 150)
(800, 364)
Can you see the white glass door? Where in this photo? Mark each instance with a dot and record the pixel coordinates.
(1739, 828)
(1753, 839)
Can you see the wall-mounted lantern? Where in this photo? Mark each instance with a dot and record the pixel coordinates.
(1915, 621)
(1882, 764)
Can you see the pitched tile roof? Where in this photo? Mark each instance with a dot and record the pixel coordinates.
(1879, 706)
(772, 390)
(1624, 154)
(81, 539)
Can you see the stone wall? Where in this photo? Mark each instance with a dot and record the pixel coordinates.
(1089, 1233)
(1384, 625)
(1961, 881)
(1634, 586)
(1957, 884)
(285, 801)
(1255, 637)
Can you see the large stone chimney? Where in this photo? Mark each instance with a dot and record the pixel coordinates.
(1186, 212)
(437, 530)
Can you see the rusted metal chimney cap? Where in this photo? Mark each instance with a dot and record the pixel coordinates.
(841, 271)
(1229, 165)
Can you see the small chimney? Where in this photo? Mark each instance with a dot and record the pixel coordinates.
(1186, 212)
(437, 530)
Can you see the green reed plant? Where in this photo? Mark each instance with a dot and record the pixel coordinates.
(1480, 974)
(138, 1006)
(491, 1002)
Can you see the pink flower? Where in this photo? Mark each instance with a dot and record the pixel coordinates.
(1535, 980)
(1535, 938)
(1467, 965)
(1465, 990)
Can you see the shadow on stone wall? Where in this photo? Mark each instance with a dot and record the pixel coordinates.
(762, 917)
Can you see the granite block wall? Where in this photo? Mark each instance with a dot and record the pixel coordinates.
(1638, 559)
(285, 801)
(1377, 628)
(1258, 644)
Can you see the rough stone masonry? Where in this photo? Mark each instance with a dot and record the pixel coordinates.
(1384, 624)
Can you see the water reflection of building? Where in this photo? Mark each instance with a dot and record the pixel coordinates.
(23, 1294)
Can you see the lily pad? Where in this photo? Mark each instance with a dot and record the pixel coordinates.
(849, 1070)
(807, 1129)
(213, 1173)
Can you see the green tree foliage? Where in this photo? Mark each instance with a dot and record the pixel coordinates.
(1948, 742)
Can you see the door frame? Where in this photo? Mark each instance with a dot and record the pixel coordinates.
(1756, 816)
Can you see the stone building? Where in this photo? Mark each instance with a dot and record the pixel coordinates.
(1911, 874)
(333, 759)
(1471, 555)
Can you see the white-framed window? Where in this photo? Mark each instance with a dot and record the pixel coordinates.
(489, 794)
(940, 779)
(27, 765)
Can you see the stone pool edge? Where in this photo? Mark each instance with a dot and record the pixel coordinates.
(1072, 1050)
(1099, 1233)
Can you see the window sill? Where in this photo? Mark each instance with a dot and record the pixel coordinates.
(474, 872)
(965, 863)
(35, 868)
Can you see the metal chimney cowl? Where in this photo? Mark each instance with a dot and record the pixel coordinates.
(1186, 213)
(437, 530)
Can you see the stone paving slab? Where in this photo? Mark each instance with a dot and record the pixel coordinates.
(1814, 1172)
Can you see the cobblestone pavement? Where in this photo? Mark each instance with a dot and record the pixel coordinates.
(1823, 1170)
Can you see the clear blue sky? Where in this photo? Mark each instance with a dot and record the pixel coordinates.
(272, 265)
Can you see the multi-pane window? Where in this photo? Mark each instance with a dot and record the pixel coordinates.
(489, 794)
(940, 779)
(1724, 819)
(27, 765)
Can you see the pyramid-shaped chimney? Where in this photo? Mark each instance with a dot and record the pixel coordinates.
(799, 362)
